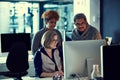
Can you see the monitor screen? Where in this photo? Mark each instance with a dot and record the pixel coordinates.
(8, 39)
(79, 56)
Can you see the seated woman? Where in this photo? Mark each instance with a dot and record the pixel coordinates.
(47, 61)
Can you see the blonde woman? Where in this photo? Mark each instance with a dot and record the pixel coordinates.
(47, 61)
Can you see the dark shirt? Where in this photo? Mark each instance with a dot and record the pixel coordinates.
(80, 33)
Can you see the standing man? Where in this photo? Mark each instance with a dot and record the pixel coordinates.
(83, 30)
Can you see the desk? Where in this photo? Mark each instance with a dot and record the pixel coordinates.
(3, 57)
(30, 71)
(29, 78)
(36, 78)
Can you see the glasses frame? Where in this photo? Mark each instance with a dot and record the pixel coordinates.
(78, 24)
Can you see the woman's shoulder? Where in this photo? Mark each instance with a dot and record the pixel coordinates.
(39, 50)
(56, 51)
(41, 30)
(56, 30)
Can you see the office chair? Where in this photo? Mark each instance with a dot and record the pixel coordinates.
(17, 61)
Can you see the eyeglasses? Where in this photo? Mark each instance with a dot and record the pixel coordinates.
(78, 24)
(55, 40)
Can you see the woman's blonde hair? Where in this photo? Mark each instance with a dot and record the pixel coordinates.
(47, 38)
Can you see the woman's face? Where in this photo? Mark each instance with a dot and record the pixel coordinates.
(54, 42)
(51, 24)
(81, 24)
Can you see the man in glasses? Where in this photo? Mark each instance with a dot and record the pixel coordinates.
(83, 30)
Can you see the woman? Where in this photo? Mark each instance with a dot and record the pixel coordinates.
(47, 61)
(50, 18)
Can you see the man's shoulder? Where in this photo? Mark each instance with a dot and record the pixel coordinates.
(74, 30)
(93, 28)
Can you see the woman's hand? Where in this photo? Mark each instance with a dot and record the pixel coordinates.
(59, 73)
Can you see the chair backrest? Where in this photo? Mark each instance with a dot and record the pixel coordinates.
(17, 60)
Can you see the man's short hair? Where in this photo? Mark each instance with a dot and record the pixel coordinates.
(80, 16)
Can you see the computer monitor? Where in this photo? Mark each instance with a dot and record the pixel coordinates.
(79, 56)
(111, 59)
(8, 39)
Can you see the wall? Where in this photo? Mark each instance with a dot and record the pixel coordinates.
(4, 17)
(95, 13)
(110, 21)
(91, 8)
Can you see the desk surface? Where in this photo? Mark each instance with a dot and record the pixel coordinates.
(29, 78)
(3, 59)
(36, 78)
